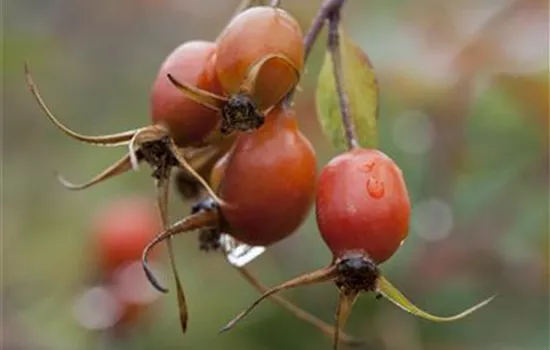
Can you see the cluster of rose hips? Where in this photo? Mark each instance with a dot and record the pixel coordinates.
(222, 114)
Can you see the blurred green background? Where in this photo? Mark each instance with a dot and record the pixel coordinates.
(464, 88)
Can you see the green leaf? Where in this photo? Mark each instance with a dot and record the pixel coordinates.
(391, 293)
(361, 87)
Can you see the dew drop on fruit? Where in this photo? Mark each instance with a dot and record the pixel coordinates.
(368, 166)
(375, 187)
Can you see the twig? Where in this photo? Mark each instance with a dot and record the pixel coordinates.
(334, 48)
(330, 11)
(328, 7)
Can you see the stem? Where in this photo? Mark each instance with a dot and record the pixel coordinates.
(343, 309)
(328, 7)
(330, 10)
(334, 48)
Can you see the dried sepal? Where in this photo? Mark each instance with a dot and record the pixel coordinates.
(183, 163)
(299, 313)
(199, 158)
(119, 167)
(202, 160)
(192, 222)
(249, 84)
(203, 97)
(111, 140)
(318, 276)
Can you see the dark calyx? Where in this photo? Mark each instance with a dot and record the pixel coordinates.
(158, 155)
(357, 272)
(240, 113)
(209, 238)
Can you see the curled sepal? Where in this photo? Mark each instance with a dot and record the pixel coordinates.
(296, 311)
(203, 97)
(203, 160)
(112, 140)
(386, 289)
(185, 165)
(118, 168)
(195, 221)
(318, 276)
(359, 85)
(273, 62)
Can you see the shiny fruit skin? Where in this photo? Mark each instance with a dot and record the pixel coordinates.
(122, 230)
(362, 204)
(252, 35)
(268, 181)
(188, 121)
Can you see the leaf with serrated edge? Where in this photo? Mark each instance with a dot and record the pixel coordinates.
(391, 293)
(361, 87)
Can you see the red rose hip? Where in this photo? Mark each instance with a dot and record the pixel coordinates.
(362, 204)
(252, 36)
(122, 230)
(268, 180)
(188, 121)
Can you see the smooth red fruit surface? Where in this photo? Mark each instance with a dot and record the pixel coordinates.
(188, 121)
(251, 36)
(123, 229)
(362, 204)
(269, 180)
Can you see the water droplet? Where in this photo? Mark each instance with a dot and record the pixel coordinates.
(369, 166)
(375, 187)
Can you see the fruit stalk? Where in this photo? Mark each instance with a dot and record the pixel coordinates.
(327, 8)
(330, 11)
(334, 49)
